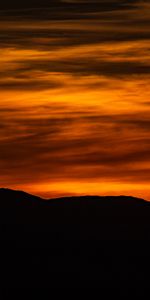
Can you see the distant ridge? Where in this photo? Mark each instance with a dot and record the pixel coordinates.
(18, 206)
(9, 192)
(75, 242)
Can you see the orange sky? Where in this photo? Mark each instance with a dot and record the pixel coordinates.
(75, 103)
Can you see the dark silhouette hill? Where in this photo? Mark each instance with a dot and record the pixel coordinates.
(74, 242)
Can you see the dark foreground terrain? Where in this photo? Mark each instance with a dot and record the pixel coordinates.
(90, 242)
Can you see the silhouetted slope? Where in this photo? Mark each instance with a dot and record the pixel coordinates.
(75, 242)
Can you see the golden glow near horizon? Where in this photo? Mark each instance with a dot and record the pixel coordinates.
(75, 104)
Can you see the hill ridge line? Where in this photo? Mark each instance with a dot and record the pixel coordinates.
(71, 197)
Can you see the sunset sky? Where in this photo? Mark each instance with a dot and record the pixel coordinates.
(75, 97)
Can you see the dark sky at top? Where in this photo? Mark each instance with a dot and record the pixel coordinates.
(107, 4)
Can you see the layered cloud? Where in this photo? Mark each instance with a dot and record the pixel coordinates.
(74, 90)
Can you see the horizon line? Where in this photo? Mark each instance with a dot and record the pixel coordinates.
(73, 196)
